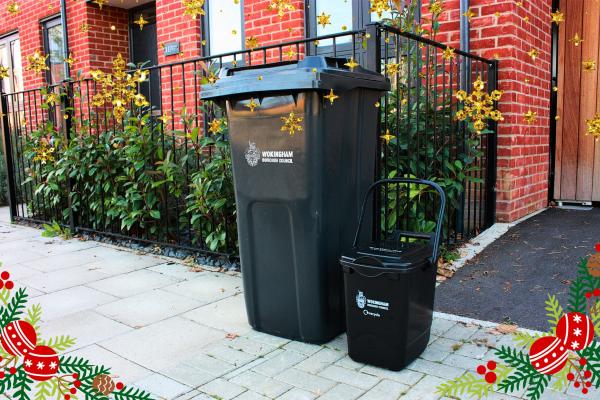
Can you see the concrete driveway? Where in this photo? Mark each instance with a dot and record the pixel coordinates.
(179, 333)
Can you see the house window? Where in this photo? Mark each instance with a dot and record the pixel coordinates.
(54, 48)
(225, 28)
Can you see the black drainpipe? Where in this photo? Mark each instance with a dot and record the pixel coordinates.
(63, 21)
(464, 42)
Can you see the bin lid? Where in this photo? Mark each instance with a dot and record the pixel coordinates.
(403, 258)
(311, 73)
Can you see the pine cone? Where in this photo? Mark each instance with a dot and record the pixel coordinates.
(593, 265)
(104, 384)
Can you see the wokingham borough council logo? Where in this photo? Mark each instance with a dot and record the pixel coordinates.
(252, 154)
(361, 300)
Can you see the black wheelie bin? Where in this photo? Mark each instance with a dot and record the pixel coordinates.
(390, 287)
(301, 163)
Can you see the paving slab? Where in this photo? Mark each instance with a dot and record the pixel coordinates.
(228, 314)
(133, 283)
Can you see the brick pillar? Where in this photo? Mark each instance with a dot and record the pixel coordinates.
(500, 30)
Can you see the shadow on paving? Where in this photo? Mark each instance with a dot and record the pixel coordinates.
(510, 280)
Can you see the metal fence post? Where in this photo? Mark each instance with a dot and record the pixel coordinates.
(491, 157)
(8, 156)
(373, 63)
(68, 107)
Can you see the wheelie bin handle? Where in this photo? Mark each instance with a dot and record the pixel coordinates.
(439, 222)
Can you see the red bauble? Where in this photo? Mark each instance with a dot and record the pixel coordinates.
(41, 363)
(548, 355)
(576, 331)
(18, 338)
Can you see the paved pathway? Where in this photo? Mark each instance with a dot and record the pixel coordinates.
(163, 327)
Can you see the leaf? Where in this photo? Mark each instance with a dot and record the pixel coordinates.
(15, 308)
(474, 386)
(45, 389)
(71, 364)
(554, 311)
(21, 384)
(537, 386)
(59, 343)
(34, 316)
(525, 340)
(560, 380)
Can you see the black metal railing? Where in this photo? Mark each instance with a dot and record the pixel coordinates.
(161, 174)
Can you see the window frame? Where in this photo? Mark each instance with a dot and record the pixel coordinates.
(205, 33)
(47, 23)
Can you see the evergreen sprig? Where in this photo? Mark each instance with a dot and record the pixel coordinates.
(554, 312)
(59, 343)
(34, 316)
(524, 373)
(46, 389)
(524, 339)
(71, 364)
(592, 354)
(131, 393)
(21, 384)
(584, 283)
(14, 308)
(537, 386)
(6, 384)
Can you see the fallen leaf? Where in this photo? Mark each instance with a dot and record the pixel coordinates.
(231, 336)
(504, 329)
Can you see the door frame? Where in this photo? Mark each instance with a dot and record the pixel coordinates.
(554, 66)
(8, 38)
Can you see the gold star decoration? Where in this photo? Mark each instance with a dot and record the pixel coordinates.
(118, 88)
(51, 99)
(252, 104)
(100, 3)
(352, 64)
(251, 43)
(291, 53)
(3, 72)
(533, 53)
(392, 68)
(576, 40)
(377, 104)
(291, 124)
(331, 96)
(530, 117)
(555, 88)
(557, 17)
(324, 19)
(589, 65)
(141, 22)
(478, 106)
(436, 8)
(448, 53)
(193, 8)
(44, 153)
(379, 7)
(594, 127)
(469, 14)
(70, 60)
(13, 8)
(215, 126)
(37, 62)
(526, 18)
(388, 136)
(281, 6)
(165, 119)
(84, 27)
(212, 78)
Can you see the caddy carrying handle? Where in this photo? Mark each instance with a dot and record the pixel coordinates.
(438, 224)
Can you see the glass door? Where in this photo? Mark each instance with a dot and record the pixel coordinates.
(10, 57)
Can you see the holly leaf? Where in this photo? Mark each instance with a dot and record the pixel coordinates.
(554, 312)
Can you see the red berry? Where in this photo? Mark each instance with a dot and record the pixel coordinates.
(481, 370)
(490, 377)
(588, 384)
(1, 284)
(582, 361)
(77, 384)
(576, 384)
(598, 247)
(597, 292)
(120, 385)
(584, 391)
(491, 365)
(4, 275)
(2, 374)
(12, 370)
(570, 376)
(588, 295)
(75, 375)
(73, 390)
(587, 374)
(9, 285)
(67, 397)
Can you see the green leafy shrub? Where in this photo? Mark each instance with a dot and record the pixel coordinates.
(3, 182)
